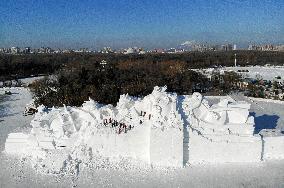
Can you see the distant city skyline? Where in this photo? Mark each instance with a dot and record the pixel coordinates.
(149, 24)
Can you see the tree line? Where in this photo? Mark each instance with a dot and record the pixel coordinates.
(18, 66)
(75, 83)
(104, 77)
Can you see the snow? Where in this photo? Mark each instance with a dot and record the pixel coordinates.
(11, 110)
(254, 72)
(127, 131)
(266, 100)
(204, 150)
(166, 147)
(27, 81)
(84, 167)
(273, 147)
(266, 73)
(149, 130)
(222, 132)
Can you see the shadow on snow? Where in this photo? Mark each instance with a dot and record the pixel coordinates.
(264, 122)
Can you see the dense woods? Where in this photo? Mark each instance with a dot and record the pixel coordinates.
(76, 77)
(77, 82)
(17, 66)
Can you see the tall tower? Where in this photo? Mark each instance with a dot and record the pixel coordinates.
(235, 60)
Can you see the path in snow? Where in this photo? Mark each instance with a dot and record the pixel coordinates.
(11, 112)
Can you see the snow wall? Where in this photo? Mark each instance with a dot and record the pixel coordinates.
(273, 148)
(166, 147)
(202, 150)
(151, 145)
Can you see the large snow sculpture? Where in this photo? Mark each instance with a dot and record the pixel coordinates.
(156, 129)
(222, 132)
(148, 129)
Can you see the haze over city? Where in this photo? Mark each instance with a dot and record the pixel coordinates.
(147, 24)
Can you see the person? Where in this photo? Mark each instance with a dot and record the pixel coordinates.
(120, 128)
(149, 116)
(140, 121)
(125, 128)
(105, 122)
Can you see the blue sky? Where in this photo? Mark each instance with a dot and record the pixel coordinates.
(148, 23)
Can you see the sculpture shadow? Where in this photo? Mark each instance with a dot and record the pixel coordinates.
(264, 122)
(184, 117)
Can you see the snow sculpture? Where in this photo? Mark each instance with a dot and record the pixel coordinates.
(160, 129)
(224, 129)
(227, 115)
(148, 129)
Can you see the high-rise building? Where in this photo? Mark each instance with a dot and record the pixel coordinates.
(235, 60)
(226, 47)
(15, 50)
(27, 50)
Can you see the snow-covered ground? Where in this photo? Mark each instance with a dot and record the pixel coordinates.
(11, 111)
(254, 72)
(266, 73)
(27, 81)
(18, 172)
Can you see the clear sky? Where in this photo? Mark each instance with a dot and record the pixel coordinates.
(147, 23)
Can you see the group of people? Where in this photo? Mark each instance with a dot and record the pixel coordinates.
(122, 127)
(144, 114)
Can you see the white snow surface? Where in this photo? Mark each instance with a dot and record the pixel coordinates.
(254, 72)
(261, 72)
(119, 160)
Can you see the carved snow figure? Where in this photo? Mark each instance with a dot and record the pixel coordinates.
(151, 129)
(224, 115)
(224, 129)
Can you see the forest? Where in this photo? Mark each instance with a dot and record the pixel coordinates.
(72, 78)
(25, 65)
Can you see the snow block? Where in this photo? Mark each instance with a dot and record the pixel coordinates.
(134, 144)
(204, 150)
(273, 147)
(166, 147)
(16, 143)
